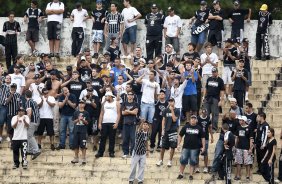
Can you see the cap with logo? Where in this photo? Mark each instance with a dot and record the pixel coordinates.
(163, 90)
(214, 69)
(169, 45)
(245, 40)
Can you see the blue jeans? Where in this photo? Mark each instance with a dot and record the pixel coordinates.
(66, 121)
(128, 138)
(217, 155)
(3, 114)
(199, 39)
(129, 35)
(147, 111)
(190, 156)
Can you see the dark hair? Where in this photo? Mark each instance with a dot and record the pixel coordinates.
(113, 38)
(35, 2)
(262, 114)
(208, 44)
(19, 56)
(44, 89)
(114, 3)
(249, 105)
(11, 13)
(129, 1)
(154, 72)
(272, 131)
(225, 126)
(129, 84)
(28, 94)
(189, 62)
(78, 5)
(193, 45)
(121, 76)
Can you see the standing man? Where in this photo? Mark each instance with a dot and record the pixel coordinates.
(4, 91)
(33, 16)
(154, 22)
(99, 17)
(78, 16)
(113, 25)
(130, 15)
(236, 18)
(54, 11)
(11, 29)
(264, 21)
(108, 123)
(172, 27)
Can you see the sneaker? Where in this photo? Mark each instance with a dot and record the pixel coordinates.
(124, 156)
(159, 163)
(8, 139)
(51, 55)
(60, 147)
(83, 162)
(197, 170)
(98, 155)
(57, 55)
(237, 178)
(112, 155)
(151, 150)
(24, 166)
(34, 156)
(190, 177)
(248, 178)
(39, 146)
(74, 161)
(130, 182)
(140, 182)
(169, 164)
(206, 170)
(52, 147)
(180, 176)
(15, 166)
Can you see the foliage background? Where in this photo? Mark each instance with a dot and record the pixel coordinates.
(184, 8)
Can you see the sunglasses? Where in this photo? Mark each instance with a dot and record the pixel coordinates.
(129, 94)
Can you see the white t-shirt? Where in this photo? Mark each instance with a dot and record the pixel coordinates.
(78, 17)
(34, 89)
(129, 13)
(207, 68)
(20, 132)
(120, 88)
(177, 94)
(55, 6)
(110, 112)
(46, 111)
(172, 24)
(84, 93)
(19, 80)
(149, 90)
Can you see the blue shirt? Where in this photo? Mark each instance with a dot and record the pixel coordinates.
(191, 87)
(115, 72)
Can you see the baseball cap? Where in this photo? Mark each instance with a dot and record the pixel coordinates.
(171, 99)
(81, 101)
(98, 1)
(13, 85)
(215, 2)
(263, 7)
(193, 116)
(169, 45)
(90, 89)
(229, 40)
(36, 76)
(170, 9)
(245, 40)
(163, 90)
(109, 94)
(244, 118)
(69, 68)
(150, 62)
(214, 69)
(232, 100)
(17, 67)
(154, 6)
(82, 58)
(236, 2)
(203, 3)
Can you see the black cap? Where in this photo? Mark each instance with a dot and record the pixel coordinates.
(245, 40)
(229, 40)
(13, 85)
(69, 68)
(170, 9)
(81, 101)
(17, 67)
(53, 72)
(154, 6)
(203, 3)
(214, 69)
(36, 76)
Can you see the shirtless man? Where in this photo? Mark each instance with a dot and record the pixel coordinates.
(55, 83)
(29, 75)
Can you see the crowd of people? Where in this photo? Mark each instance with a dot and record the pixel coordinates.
(152, 103)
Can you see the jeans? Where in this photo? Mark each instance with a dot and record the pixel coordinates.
(107, 131)
(147, 111)
(156, 129)
(190, 156)
(66, 121)
(212, 107)
(128, 138)
(3, 114)
(139, 160)
(217, 156)
(199, 38)
(32, 146)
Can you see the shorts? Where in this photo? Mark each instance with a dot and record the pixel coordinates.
(204, 80)
(174, 41)
(79, 137)
(190, 103)
(129, 35)
(92, 127)
(32, 34)
(237, 34)
(48, 124)
(169, 140)
(206, 148)
(215, 37)
(97, 36)
(243, 157)
(54, 30)
(190, 156)
(226, 74)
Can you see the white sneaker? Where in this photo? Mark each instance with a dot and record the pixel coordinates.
(124, 156)
(206, 170)
(8, 139)
(159, 163)
(197, 170)
(169, 164)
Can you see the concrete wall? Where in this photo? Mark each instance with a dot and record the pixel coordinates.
(250, 32)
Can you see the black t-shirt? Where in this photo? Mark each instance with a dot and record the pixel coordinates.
(93, 112)
(199, 82)
(269, 148)
(98, 16)
(66, 109)
(136, 87)
(159, 108)
(227, 60)
(129, 119)
(239, 83)
(193, 136)
(205, 123)
(238, 16)
(252, 121)
(214, 86)
(232, 123)
(85, 74)
(264, 20)
(201, 16)
(33, 15)
(97, 84)
(75, 87)
(80, 127)
(244, 135)
(170, 125)
(216, 24)
(12, 28)
(154, 24)
(114, 52)
(190, 56)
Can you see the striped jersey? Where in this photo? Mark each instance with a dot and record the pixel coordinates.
(114, 20)
(33, 15)
(14, 104)
(4, 90)
(35, 116)
(141, 143)
(11, 29)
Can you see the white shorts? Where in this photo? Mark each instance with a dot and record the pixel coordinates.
(97, 36)
(226, 74)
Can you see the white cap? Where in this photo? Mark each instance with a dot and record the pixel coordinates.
(232, 100)
(82, 58)
(109, 94)
(244, 118)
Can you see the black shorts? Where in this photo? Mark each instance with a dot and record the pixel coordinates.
(48, 124)
(189, 103)
(215, 37)
(169, 140)
(32, 34)
(54, 30)
(92, 127)
(79, 136)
